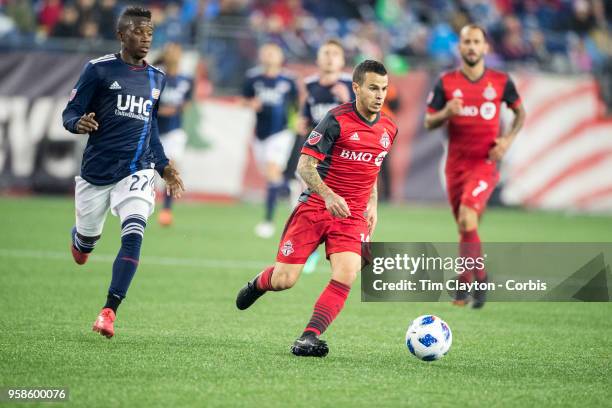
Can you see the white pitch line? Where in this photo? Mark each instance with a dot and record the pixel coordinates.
(148, 260)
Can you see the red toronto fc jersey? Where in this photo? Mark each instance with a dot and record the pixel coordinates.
(473, 131)
(351, 150)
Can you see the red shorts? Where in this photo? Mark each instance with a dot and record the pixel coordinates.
(471, 186)
(311, 225)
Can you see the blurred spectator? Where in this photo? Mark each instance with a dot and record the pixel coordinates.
(67, 25)
(86, 9)
(514, 46)
(583, 20)
(558, 35)
(107, 16)
(49, 15)
(22, 14)
(443, 42)
(89, 30)
(171, 28)
(579, 56)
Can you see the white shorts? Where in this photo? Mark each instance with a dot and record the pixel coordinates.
(93, 202)
(275, 149)
(174, 144)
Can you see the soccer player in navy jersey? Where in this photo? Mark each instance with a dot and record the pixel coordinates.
(340, 162)
(271, 93)
(172, 103)
(469, 99)
(328, 88)
(115, 101)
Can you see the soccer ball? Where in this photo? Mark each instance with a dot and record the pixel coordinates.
(429, 338)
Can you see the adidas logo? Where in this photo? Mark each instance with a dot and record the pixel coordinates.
(115, 85)
(457, 93)
(354, 136)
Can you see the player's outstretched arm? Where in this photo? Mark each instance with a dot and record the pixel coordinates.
(307, 169)
(502, 144)
(437, 119)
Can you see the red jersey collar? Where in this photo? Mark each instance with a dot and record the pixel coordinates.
(475, 80)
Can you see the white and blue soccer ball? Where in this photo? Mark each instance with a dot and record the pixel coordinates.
(429, 338)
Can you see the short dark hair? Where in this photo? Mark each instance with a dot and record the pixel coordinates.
(368, 66)
(132, 11)
(474, 26)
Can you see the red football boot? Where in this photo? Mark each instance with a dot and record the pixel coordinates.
(165, 217)
(78, 256)
(104, 323)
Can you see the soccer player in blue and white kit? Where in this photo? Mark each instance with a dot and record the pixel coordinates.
(328, 88)
(271, 93)
(115, 101)
(173, 102)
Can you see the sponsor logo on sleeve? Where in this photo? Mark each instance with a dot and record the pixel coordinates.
(155, 93)
(72, 94)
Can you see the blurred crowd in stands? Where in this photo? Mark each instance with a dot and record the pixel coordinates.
(557, 35)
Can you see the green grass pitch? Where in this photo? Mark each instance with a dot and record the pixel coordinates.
(181, 342)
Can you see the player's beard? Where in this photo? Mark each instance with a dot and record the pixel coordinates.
(471, 63)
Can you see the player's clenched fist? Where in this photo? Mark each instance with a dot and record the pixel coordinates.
(336, 205)
(87, 123)
(371, 217)
(174, 183)
(499, 149)
(453, 107)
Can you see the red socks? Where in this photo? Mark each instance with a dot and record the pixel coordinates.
(264, 281)
(469, 246)
(330, 303)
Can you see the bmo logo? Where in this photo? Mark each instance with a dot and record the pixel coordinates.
(469, 110)
(363, 157)
(130, 105)
(356, 156)
(488, 110)
(379, 159)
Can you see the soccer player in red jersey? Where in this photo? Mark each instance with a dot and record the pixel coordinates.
(469, 99)
(340, 162)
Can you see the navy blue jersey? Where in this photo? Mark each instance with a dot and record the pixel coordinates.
(320, 99)
(177, 93)
(277, 95)
(125, 100)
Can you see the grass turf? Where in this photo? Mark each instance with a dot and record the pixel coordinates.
(181, 342)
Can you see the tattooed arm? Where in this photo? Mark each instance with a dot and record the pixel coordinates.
(307, 169)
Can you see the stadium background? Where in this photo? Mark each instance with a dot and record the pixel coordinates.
(558, 51)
